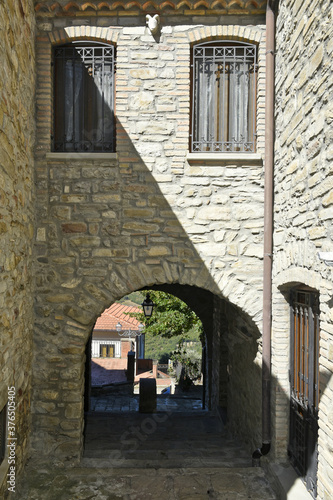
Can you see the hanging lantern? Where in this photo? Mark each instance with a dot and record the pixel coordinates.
(147, 306)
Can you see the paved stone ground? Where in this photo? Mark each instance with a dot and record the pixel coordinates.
(118, 403)
(47, 483)
(108, 371)
(162, 456)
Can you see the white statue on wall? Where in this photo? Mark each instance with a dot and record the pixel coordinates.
(153, 23)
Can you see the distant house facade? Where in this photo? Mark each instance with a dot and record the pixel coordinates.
(111, 341)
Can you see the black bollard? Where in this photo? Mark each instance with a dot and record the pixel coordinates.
(147, 400)
(130, 366)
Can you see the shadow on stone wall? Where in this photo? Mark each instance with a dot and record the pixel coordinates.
(111, 229)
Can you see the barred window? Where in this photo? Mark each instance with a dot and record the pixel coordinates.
(84, 97)
(224, 97)
(305, 349)
(304, 385)
(107, 351)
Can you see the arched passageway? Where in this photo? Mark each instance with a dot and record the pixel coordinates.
(126, 348)
(232, 376)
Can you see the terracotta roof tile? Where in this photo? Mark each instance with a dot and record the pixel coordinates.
(118, 313)
(94, 6)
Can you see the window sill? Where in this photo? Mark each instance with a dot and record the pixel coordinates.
(81, 156)
(249, 158)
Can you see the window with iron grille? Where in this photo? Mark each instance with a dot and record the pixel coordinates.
(84, 98)
(304, 382)
(305, 349)
(3, 414)
(224, 97)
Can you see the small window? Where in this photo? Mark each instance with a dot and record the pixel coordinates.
(107, 350)
(224, 97)
(304, 385)
(3, 414)
(84, 98)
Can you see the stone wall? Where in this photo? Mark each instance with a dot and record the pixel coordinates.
(243, 340)
(303, 201)
(16, 216)
(236, 372)
(153, 214)
(148, 214)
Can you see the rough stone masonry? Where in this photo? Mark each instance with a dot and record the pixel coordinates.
(17, 217)
(147, 214)
(80, 231)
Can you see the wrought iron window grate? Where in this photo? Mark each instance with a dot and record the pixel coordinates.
(84, 98)
(304, 382)
(305, 350)
(224, 97)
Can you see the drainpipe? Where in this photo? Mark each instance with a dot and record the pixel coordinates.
(268, 234)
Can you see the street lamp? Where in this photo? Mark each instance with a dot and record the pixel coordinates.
(130, 333)
(148, 306)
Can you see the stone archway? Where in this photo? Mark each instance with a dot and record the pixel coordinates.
(58, 400)
(233, 360)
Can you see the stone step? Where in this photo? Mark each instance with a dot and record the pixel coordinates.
(166, 462)
(195, 446)
(199, 443)
(167, 449)
(176, 424)
(161, 441)
(202, 451)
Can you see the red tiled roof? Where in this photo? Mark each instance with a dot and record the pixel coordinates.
(117, 313)
(47, 7)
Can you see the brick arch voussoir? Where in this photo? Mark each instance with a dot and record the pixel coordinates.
(92, 33)
(219, 5)
(237, 33)
(300, 276)
(185, 4)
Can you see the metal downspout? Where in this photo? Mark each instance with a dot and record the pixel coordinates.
(268, 234)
